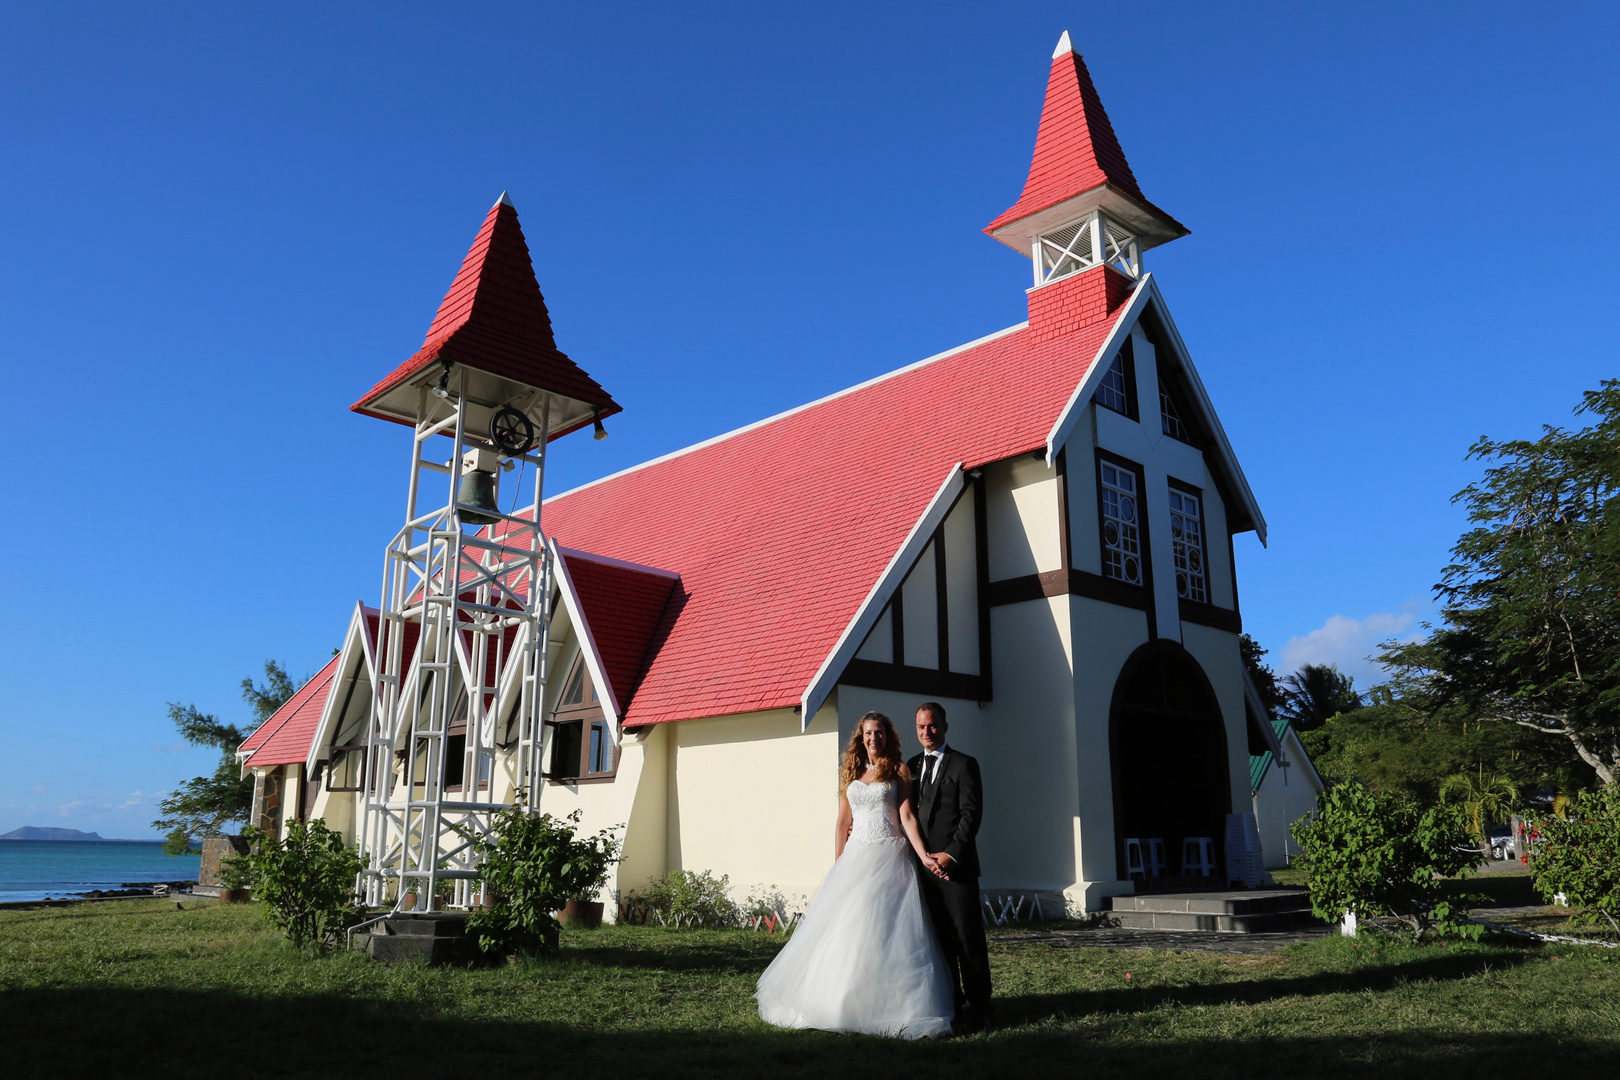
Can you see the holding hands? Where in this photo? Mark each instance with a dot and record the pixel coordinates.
(938, 863)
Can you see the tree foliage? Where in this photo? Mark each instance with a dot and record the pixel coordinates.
(1378, 857)
(1578, 853)
(306, 881)
(1315, 694)
(1484, 797)
(1264, 679)
(1531, 633)
(532, 865)
(208, 804)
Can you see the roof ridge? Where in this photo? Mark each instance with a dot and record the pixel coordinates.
(746, 428)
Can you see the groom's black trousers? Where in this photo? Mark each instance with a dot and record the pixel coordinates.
(954, 908)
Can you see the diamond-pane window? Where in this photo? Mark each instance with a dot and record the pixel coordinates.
(1187, 542)
(1111, 391)
(1121, 525)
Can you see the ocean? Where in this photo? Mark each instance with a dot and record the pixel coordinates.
(41, 869)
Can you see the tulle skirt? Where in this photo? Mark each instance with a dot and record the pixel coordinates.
(864, 958)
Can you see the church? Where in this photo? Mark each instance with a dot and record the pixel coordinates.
(1033, 528)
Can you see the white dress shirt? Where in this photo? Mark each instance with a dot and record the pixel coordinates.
(931, 760)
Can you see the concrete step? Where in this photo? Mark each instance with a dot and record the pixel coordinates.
(1259, 923)
(424, 924)
(1231, 902)
(395, 948)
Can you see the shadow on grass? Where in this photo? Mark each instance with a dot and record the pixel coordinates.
(181, 1033)
(1035, 1008)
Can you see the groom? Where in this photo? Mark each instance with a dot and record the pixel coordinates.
(949, 803)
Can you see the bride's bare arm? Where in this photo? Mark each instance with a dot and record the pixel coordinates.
(908, 820)
(841, 828)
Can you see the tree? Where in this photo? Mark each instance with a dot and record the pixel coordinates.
(1264, 679)
(207, 804)
(1531, 633)
(1486, 797)
(1315, 694)
(1376, 856)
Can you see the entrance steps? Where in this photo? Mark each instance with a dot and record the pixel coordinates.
(436, 937)
(1239, 911)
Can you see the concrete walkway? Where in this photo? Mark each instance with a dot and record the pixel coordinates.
(1185, 940)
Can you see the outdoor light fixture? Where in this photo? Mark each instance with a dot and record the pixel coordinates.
(442, 391)
(601, 432)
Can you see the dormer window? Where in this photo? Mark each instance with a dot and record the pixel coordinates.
(1094, 240)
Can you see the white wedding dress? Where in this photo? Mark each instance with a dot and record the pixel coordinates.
(864, 958)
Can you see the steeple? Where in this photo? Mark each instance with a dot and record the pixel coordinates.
(493, 321)
(1081, 206)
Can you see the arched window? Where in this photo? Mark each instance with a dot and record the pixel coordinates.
(581, 743)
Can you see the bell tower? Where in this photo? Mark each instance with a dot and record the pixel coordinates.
(461, 654)
(1081, 209)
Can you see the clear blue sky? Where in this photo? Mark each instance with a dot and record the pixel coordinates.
(222, 223)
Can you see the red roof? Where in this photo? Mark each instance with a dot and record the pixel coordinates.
(1076, 149)
(626, 607)
(495, 319)
(780, 530)
(284, 738)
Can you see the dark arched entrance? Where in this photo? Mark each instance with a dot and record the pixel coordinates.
(1169, 755)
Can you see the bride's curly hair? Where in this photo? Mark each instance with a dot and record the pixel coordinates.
(854, 760)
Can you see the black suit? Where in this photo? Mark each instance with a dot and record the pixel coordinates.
(949, 807)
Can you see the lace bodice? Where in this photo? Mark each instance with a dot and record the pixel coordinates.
(876, 813)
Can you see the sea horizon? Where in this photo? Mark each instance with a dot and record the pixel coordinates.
(56, 869)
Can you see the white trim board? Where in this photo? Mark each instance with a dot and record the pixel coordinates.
(867, 615)
(587, 642)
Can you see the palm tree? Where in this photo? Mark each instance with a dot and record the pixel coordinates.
(1315, 694)
(1486, 796)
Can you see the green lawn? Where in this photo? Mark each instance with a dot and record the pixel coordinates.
(138, 988)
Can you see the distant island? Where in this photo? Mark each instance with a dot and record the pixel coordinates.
(37, 832)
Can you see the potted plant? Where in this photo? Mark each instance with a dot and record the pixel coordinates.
(534, 867)
(236, 879)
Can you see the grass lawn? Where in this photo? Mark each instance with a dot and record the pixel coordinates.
(138, 988)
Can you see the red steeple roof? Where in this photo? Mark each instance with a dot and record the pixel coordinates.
(493, 319)
(1077, 153)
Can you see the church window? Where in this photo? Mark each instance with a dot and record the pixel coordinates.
(1187, 542)
(1170, 417)
(581, 744)
(1111, 392)
(1121, 523)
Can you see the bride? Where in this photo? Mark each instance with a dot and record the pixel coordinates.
(864, 958)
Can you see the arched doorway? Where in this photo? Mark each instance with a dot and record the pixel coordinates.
(1168, 743)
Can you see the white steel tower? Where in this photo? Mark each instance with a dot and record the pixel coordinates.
(456, 729)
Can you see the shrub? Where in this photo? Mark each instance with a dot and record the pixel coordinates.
(687, 898)
(236, 872)
(1578, 854)
(307, 882)
(1382, 857)
(532, 865)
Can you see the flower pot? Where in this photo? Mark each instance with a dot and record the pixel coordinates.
(408, 902)
(235, 896)
(585, 914)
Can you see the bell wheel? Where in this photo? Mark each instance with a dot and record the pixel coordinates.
(511, 431)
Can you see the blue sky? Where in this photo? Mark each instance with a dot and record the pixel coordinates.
(222, 223)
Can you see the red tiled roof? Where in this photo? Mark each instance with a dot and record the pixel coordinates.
(1076, 149)
(626, 607)
(495, 319)
(779, 531)
(284, 738)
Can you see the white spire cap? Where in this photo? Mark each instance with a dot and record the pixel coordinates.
(507, 200)
(1064, 45)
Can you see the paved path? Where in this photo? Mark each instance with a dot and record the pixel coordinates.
(1191, 940)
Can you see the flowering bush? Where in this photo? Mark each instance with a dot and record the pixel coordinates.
(1579, 854)
(687, 898)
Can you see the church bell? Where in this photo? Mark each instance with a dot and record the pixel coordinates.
(477, 491)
